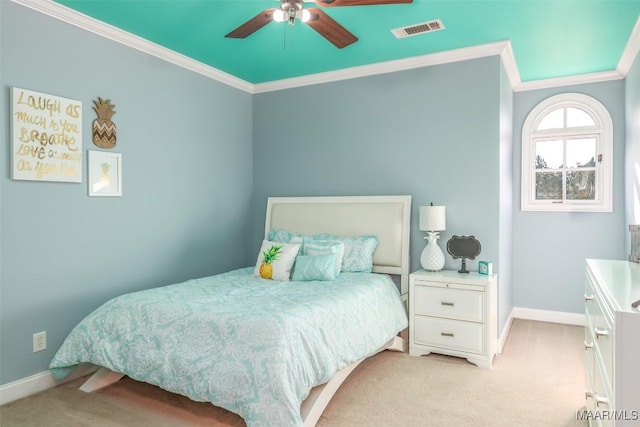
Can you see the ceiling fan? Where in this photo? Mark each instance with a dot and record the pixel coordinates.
(290, 10)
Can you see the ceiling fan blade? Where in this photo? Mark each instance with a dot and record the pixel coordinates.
(328, 28)
(252, 25)
(330, 3)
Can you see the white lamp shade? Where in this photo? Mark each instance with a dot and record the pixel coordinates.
(432, 218)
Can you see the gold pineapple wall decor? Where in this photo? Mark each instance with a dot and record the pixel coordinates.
(104, 130)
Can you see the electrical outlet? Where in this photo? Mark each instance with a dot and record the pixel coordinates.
(40, 341)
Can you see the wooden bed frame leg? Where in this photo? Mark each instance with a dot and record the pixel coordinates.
(320, 396)
(399, 344)
(103, 378)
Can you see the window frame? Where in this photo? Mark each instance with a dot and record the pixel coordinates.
(603, 131)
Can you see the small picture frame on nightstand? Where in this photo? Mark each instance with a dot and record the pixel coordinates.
(485, 267)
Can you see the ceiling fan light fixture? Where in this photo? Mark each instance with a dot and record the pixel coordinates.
(279, 15)
(323, 24)
(304, 15)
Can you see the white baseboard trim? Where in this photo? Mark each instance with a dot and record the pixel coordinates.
(576, 319)
(39, 382)
(502, 339)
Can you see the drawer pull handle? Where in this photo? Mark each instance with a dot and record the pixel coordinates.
(450, 304)
(588, 345)
(446, 334)
(601, 400)
(601, 332)
(588, 297)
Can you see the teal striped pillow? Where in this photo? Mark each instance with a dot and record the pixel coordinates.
(324, 247)
(358, 251)
(314, 267)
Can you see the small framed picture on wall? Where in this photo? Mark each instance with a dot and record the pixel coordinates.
(105, 174)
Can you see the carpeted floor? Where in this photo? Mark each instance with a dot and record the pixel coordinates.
(538, 380)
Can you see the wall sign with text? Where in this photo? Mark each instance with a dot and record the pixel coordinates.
(46, 137)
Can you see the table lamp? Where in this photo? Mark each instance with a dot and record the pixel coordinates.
(432, 220)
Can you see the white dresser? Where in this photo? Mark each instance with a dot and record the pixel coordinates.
(454, 314)
(612, 343)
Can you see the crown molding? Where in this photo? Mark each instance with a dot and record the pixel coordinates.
(631, 50)
(439, 58)
(63, 13)
(510, 66)
(569, 81)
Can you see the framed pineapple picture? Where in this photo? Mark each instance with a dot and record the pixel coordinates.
(105, 174)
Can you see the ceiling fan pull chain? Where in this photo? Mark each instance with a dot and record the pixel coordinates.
(291, 37)
(287, 30)
(286, 36)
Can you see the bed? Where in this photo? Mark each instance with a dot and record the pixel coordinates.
(274, 352)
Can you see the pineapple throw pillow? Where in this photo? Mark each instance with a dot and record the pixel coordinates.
(275, 260)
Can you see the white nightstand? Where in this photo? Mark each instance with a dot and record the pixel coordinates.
(454, 314)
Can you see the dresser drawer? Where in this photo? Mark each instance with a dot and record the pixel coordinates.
(600, 329)
(461, 302)
(589, 371)
(604, 346)
(602, 398)
(450, 334)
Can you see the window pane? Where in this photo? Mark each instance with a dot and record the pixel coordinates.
(553, 120)
(581, 153)
(577, 117)
(549, 154)
(581, 185)
(548, 185)
(567, 165)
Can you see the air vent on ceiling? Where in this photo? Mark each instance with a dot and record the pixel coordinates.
(414, 30)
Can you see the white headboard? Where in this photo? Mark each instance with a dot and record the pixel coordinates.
(387, 217)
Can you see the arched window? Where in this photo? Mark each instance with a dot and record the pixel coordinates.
(567, 156)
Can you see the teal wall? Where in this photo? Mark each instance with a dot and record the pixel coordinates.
(549, 248)
(186, 151)
(432, 133)
(632, 150)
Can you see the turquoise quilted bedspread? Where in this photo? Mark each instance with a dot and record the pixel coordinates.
(252, 346)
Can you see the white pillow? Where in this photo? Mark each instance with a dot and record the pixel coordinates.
(275, 260)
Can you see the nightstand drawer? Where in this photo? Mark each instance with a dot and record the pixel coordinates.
(452, 303)
(450, 334)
